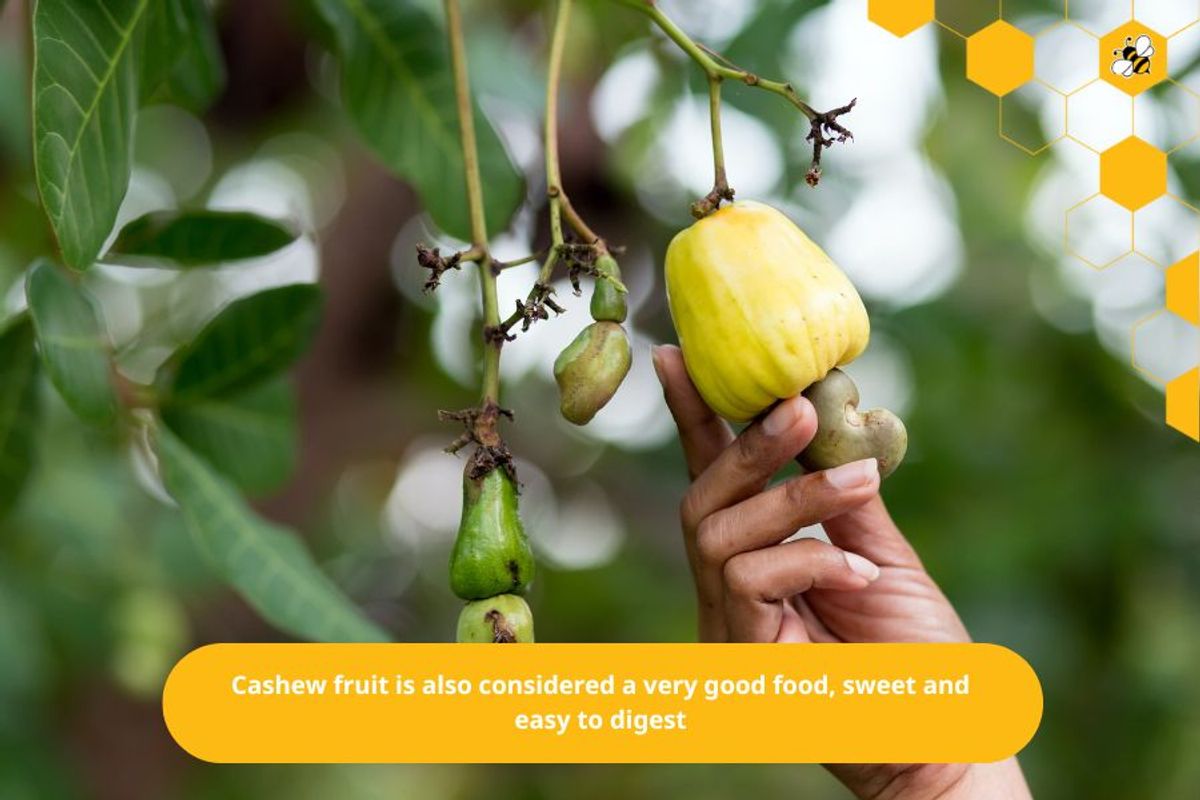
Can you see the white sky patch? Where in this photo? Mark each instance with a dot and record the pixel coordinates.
(895, 79)
(1166, 230)
(1121, 295)
(622, 97)
(1166, 346)
(268, 187)
(883, 375)
(752, 153)
(1100, 115)
(1165, 16)
(898, 240)
(1167, 121)
(585, 530)
(1185, 47)
(715, 22)
(1099, 231)
(1065, 57)
(1102, 16)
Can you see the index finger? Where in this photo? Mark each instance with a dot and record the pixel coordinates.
(702, 433)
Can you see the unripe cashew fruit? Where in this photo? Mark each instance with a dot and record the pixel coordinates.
(503, 619)
(491, 555)
(845, 434)
(761, 311)
(590, 370)
(608, 300)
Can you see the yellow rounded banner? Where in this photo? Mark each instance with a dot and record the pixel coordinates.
(602, 703)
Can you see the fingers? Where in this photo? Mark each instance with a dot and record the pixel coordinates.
(744, 467)
(869, 529)
(772, 516)
(702, 433)
(756, 581)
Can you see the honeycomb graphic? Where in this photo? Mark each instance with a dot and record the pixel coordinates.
(1106, 57)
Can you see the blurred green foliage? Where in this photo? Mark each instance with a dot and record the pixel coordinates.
(1044, 492)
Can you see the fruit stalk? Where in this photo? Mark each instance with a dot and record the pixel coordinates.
(562, 19)
(491, 556)
(824, 128)
(493, 343)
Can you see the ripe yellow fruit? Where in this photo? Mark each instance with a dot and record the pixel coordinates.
(760, 310)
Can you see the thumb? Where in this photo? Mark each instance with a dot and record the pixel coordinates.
(701, 432)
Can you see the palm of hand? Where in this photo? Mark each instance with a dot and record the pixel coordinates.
(902, 605)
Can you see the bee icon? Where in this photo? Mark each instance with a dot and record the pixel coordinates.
(1134, 57)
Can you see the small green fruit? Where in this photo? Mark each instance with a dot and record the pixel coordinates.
(845, 434)
(608, 298)
(491, 555)
(503, 619)
(590, 370)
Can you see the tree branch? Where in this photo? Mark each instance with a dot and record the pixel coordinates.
(493, 343)
(824, 129)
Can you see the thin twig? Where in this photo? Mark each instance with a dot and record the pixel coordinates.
(824, 129)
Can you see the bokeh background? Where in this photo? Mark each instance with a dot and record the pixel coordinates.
(1042, 488)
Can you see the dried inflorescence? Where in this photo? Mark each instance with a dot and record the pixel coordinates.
(480, 429)
(536, 307)
(437, 264)
(825, 131)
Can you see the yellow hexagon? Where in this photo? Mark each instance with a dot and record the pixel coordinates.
(1000, 58)
(1133, 57)
(1183, 288)
(1183, 404)
(901, 17)
(1133, 173)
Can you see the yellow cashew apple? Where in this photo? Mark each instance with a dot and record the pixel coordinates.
(760, 310)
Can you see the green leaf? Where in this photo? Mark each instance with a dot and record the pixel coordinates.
(181, 56)
(266, 564)
(196, 238)
(18, 407)
(72, 342)
(85, 94)
(398, 89)
(250, 438)
(252, 339)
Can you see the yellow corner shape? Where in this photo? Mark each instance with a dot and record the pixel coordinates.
(1183, 404)
(1183, 288)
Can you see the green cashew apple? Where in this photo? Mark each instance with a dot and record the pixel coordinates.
(845, 434)
(590, 370)
(503, 619)
(491, 555)
(608, 298)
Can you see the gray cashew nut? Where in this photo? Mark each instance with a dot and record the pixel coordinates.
(845, 434)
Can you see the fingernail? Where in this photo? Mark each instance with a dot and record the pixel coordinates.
(861, 566)
(656, 359)
(784, 416)
(853, 475)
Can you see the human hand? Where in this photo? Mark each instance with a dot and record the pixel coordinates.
(753, 585)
